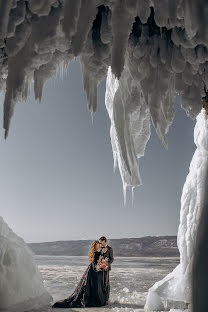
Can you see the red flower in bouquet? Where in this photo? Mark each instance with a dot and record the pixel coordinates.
(102, 264)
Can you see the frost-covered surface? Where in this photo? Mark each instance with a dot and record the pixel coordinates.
(21, 285)
(175, 289)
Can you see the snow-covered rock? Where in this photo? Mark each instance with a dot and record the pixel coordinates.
(175, 289)
(21, 284)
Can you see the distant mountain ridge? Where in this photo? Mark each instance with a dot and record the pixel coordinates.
(148, 246)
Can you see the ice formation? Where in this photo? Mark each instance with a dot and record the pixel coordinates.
(175, 289)
(128, 136)
(154, 48)
(21, 285)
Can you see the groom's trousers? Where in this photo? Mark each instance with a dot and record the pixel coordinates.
(107, 286)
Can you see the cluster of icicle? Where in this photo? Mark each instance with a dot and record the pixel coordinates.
(155, 48)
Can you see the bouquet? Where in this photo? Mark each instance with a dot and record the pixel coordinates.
(102, 264)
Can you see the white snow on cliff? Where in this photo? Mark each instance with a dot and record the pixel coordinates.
(21, 285)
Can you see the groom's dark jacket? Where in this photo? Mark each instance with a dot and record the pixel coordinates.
(109, 254)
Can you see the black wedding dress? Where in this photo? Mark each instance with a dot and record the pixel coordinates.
(92, 290)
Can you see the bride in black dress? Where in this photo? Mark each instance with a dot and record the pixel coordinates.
(92, 288)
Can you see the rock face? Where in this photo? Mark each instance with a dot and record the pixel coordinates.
(21, 284)
(157, 246)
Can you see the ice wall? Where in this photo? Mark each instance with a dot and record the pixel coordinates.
(21, 285)
(175, 289)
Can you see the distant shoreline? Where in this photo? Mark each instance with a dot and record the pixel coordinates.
(148, 246)
(52, 256)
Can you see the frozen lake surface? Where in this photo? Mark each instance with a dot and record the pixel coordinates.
(130, 279)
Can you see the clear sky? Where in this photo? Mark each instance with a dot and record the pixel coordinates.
(56, 171)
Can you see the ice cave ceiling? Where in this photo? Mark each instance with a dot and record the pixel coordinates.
(155, 49)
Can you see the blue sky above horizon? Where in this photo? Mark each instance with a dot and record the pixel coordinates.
(57, 179)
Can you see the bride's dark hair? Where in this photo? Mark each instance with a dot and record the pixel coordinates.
(92, 250)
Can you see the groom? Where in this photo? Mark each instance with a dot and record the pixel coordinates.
(107, 252)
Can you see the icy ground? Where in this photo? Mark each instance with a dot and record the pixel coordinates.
(130, 279)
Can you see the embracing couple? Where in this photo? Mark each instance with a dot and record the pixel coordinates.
(93, 289)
